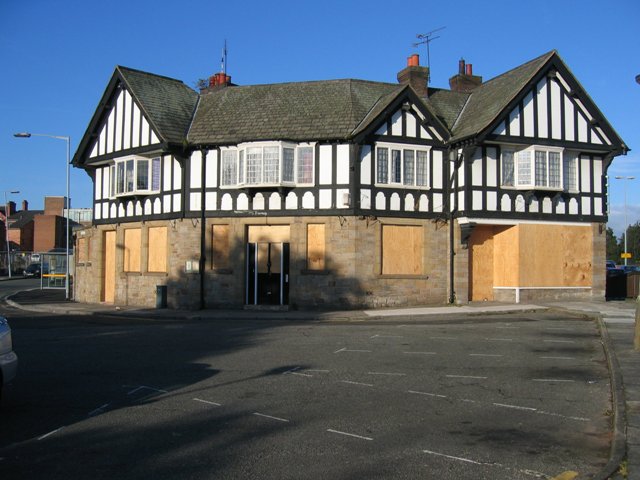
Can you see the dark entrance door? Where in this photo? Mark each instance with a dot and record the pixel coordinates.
(267, 271)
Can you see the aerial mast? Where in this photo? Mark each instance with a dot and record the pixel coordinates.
(426, 39)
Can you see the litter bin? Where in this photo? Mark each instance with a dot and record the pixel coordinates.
(161, 296)
(633, 285)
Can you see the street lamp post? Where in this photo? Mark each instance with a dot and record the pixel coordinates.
(6, 228)
(626, 223)
(68, 140)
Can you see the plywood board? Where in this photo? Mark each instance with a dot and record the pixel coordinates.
(109, 272)
(157, 261)
(268, 233)
(481, 251)
(316, 246)
(506, 256)
(402, 250)
(132, 247)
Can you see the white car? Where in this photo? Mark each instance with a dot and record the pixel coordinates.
(8, 358)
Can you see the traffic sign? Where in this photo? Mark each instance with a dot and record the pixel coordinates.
(625, 255)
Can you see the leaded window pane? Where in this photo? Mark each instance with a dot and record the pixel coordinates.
(254, 165)
(305, 164)
(524, 168)
(120, 178)
(241, 167)
(129, 176)
(142, 175)
(570, 172)
(409, 167)
(287, 164)
(396, 166)
(554, 170)
(155, 174)
(507, 168)
(541, 168)
(229, 167)
(271, 164)
(383, 165)
(422, 168)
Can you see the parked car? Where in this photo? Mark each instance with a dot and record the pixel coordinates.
(611, 265)
(8, 358)
(630, 268)
(32, 270)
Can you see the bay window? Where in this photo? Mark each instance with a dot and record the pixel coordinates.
(536, 167)
(135, 176)
(408, 166)
(270, 164)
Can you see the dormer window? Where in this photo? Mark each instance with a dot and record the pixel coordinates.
(266, 164)
(135, 176)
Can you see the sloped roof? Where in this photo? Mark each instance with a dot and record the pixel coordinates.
(168, 104)
(490, 99)
(301, 111)
(23, 217)
(447, 104)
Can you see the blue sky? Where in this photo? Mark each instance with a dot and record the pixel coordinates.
(57, 57)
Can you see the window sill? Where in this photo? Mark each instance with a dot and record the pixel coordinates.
(403, 186)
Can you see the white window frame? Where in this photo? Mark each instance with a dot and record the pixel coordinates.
(241, 158)
(396, 173)
(118, 174)
(523, 172)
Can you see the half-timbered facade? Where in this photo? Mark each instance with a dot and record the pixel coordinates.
(346, 192)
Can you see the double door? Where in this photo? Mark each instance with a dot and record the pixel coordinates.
(267, 273)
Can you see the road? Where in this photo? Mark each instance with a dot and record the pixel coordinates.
(504, 397)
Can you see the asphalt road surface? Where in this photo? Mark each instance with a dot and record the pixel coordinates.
(503, 397)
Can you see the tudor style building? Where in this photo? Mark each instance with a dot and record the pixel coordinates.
(346, 193)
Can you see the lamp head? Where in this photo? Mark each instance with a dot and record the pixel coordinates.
(22, 135)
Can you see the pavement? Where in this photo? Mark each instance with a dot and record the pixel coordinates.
(616, 320)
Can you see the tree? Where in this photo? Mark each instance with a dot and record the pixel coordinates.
(613, 246)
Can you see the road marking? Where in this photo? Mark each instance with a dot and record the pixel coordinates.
(559, 358)
(348, 350)
(301, 374)
(499, 339)
(42, 437)
(356, 383)
(579, 419)
(272, 418)
(420, 353)
(98, 410)
(516, 407)
(207, 402)
(443, 338)
(467, 400)
(552, 380)
(349, 434)
(466, 376)
(387, 336)
(559, 341)
(461, 459)
(143, 387)
(387, 373)
(317, 370)
(292, 370)
(531, 473)
(484, 355)
(427, 394)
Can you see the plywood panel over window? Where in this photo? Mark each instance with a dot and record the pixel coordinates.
(132, 246)
(220, 247)
(402, 250)
(315, 247)
(157, 261)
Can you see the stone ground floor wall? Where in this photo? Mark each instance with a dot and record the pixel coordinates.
(352, 273)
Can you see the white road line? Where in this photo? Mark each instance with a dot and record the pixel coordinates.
(98, 410)
(143, 387)
(349, 434)
(50, 433)
(467, 400)
(387, 373)
(551, 380)
(461, 459)
(499, 339)
(349, 350)
(466, 376)
(516, 407)
(568, 417)
(207, 402)
(484, 355)
(427, 394)
(301, 374)
(356, 383)
(317, 370)
(272, 418)
(420, 353)
(443, 338)
(292, 370)
(387, 336)
(559, 358)
(559, 341)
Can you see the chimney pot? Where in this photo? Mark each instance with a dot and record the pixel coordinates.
(413, 60)
(25, 205)
(469, 70)
(461, 66)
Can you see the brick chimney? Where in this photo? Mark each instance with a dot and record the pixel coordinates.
(415, 76)
(217, 81)
(11, 207)
(25, 205)
(465, 81)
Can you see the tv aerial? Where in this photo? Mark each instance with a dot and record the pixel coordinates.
(426, 39)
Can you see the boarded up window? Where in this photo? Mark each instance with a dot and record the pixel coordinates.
(157, 261)
(402, 250)
(83, 250)
(220, 247)
(315, 247)
(132, 250)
